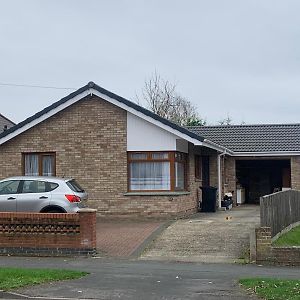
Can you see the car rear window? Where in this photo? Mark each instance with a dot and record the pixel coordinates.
(74, 186)
(51, 186)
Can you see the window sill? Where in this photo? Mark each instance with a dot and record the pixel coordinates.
(157, 193)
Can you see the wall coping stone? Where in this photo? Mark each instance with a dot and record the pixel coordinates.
(285, 230)
(87, 210)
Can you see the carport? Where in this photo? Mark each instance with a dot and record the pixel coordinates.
(259, 177)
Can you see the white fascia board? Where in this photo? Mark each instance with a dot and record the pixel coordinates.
(271, 153)
(45, 116)
(147, 118)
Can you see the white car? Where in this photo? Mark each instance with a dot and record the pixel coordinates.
(41, 194)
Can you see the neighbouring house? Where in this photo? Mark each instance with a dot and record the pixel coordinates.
(135, 163)
(5, 123)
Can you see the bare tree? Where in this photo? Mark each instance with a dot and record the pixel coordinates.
(226, 121)
(161, 98)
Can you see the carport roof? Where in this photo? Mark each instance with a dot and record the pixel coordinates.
(253, 138)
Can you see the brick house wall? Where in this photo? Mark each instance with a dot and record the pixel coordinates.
(90, 142)
(295, 172)
(229, 176)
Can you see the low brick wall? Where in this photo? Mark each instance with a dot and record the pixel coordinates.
(48, 234)
(267, 254)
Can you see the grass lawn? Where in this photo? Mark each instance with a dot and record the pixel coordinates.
(273, 289)
(11, 278)
(291, 238)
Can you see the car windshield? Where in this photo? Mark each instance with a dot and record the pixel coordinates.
(74, 186)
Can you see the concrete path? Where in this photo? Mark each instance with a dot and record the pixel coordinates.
(136, 280)
(207, 237)
(123, 238)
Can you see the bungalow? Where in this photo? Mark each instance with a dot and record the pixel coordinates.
(135, 163)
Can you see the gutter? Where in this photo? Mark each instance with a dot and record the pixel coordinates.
(212, 145)
(271, 153)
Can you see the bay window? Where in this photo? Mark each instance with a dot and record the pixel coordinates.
(156, 171)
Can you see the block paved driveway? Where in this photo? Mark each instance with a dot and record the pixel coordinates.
(207, 237)
(124, 238)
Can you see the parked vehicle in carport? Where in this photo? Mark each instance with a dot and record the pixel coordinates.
(41, 194)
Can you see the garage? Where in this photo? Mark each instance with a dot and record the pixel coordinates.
(259, 177)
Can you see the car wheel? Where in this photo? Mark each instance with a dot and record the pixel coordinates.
(53, 211)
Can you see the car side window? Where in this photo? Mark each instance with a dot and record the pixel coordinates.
(34, 186)
(9, 187)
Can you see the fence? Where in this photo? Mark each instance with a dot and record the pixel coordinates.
(280, 210)
(48, 234)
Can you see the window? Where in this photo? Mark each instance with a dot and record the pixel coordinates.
(156, 171)
(39, 164)
(198, 167)
(34, 186)
(74, 186)
(9, 187)
(202, 169)
(205, 171)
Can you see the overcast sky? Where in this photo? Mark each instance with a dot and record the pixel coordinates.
(236, 58)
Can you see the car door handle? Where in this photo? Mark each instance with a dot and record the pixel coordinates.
(43, 197)
(11, 198)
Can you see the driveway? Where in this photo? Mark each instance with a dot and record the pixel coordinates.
(207, 237)
(117, 238)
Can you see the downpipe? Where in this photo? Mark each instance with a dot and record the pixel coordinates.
(220, 178)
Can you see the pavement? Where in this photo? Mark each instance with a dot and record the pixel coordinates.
(221, 237)
(116, 238)
(134, 279)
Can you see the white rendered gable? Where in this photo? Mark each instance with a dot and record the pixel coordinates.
(145, 136)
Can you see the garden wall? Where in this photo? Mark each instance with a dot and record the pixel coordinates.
(268, 254)
(48, 234)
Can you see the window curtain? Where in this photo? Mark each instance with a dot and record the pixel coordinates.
(179, 175)
(149, 176)
(48, 165)
(31, 165)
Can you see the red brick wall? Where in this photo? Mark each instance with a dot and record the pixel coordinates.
(48, 234)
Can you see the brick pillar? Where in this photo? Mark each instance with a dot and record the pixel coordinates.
(295, 172)
(87, 220)
(263, 244)
(230, 177)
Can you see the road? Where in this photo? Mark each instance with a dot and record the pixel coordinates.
(134, 279)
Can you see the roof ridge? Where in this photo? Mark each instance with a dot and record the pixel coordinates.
(92, 85)
(244, 125)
